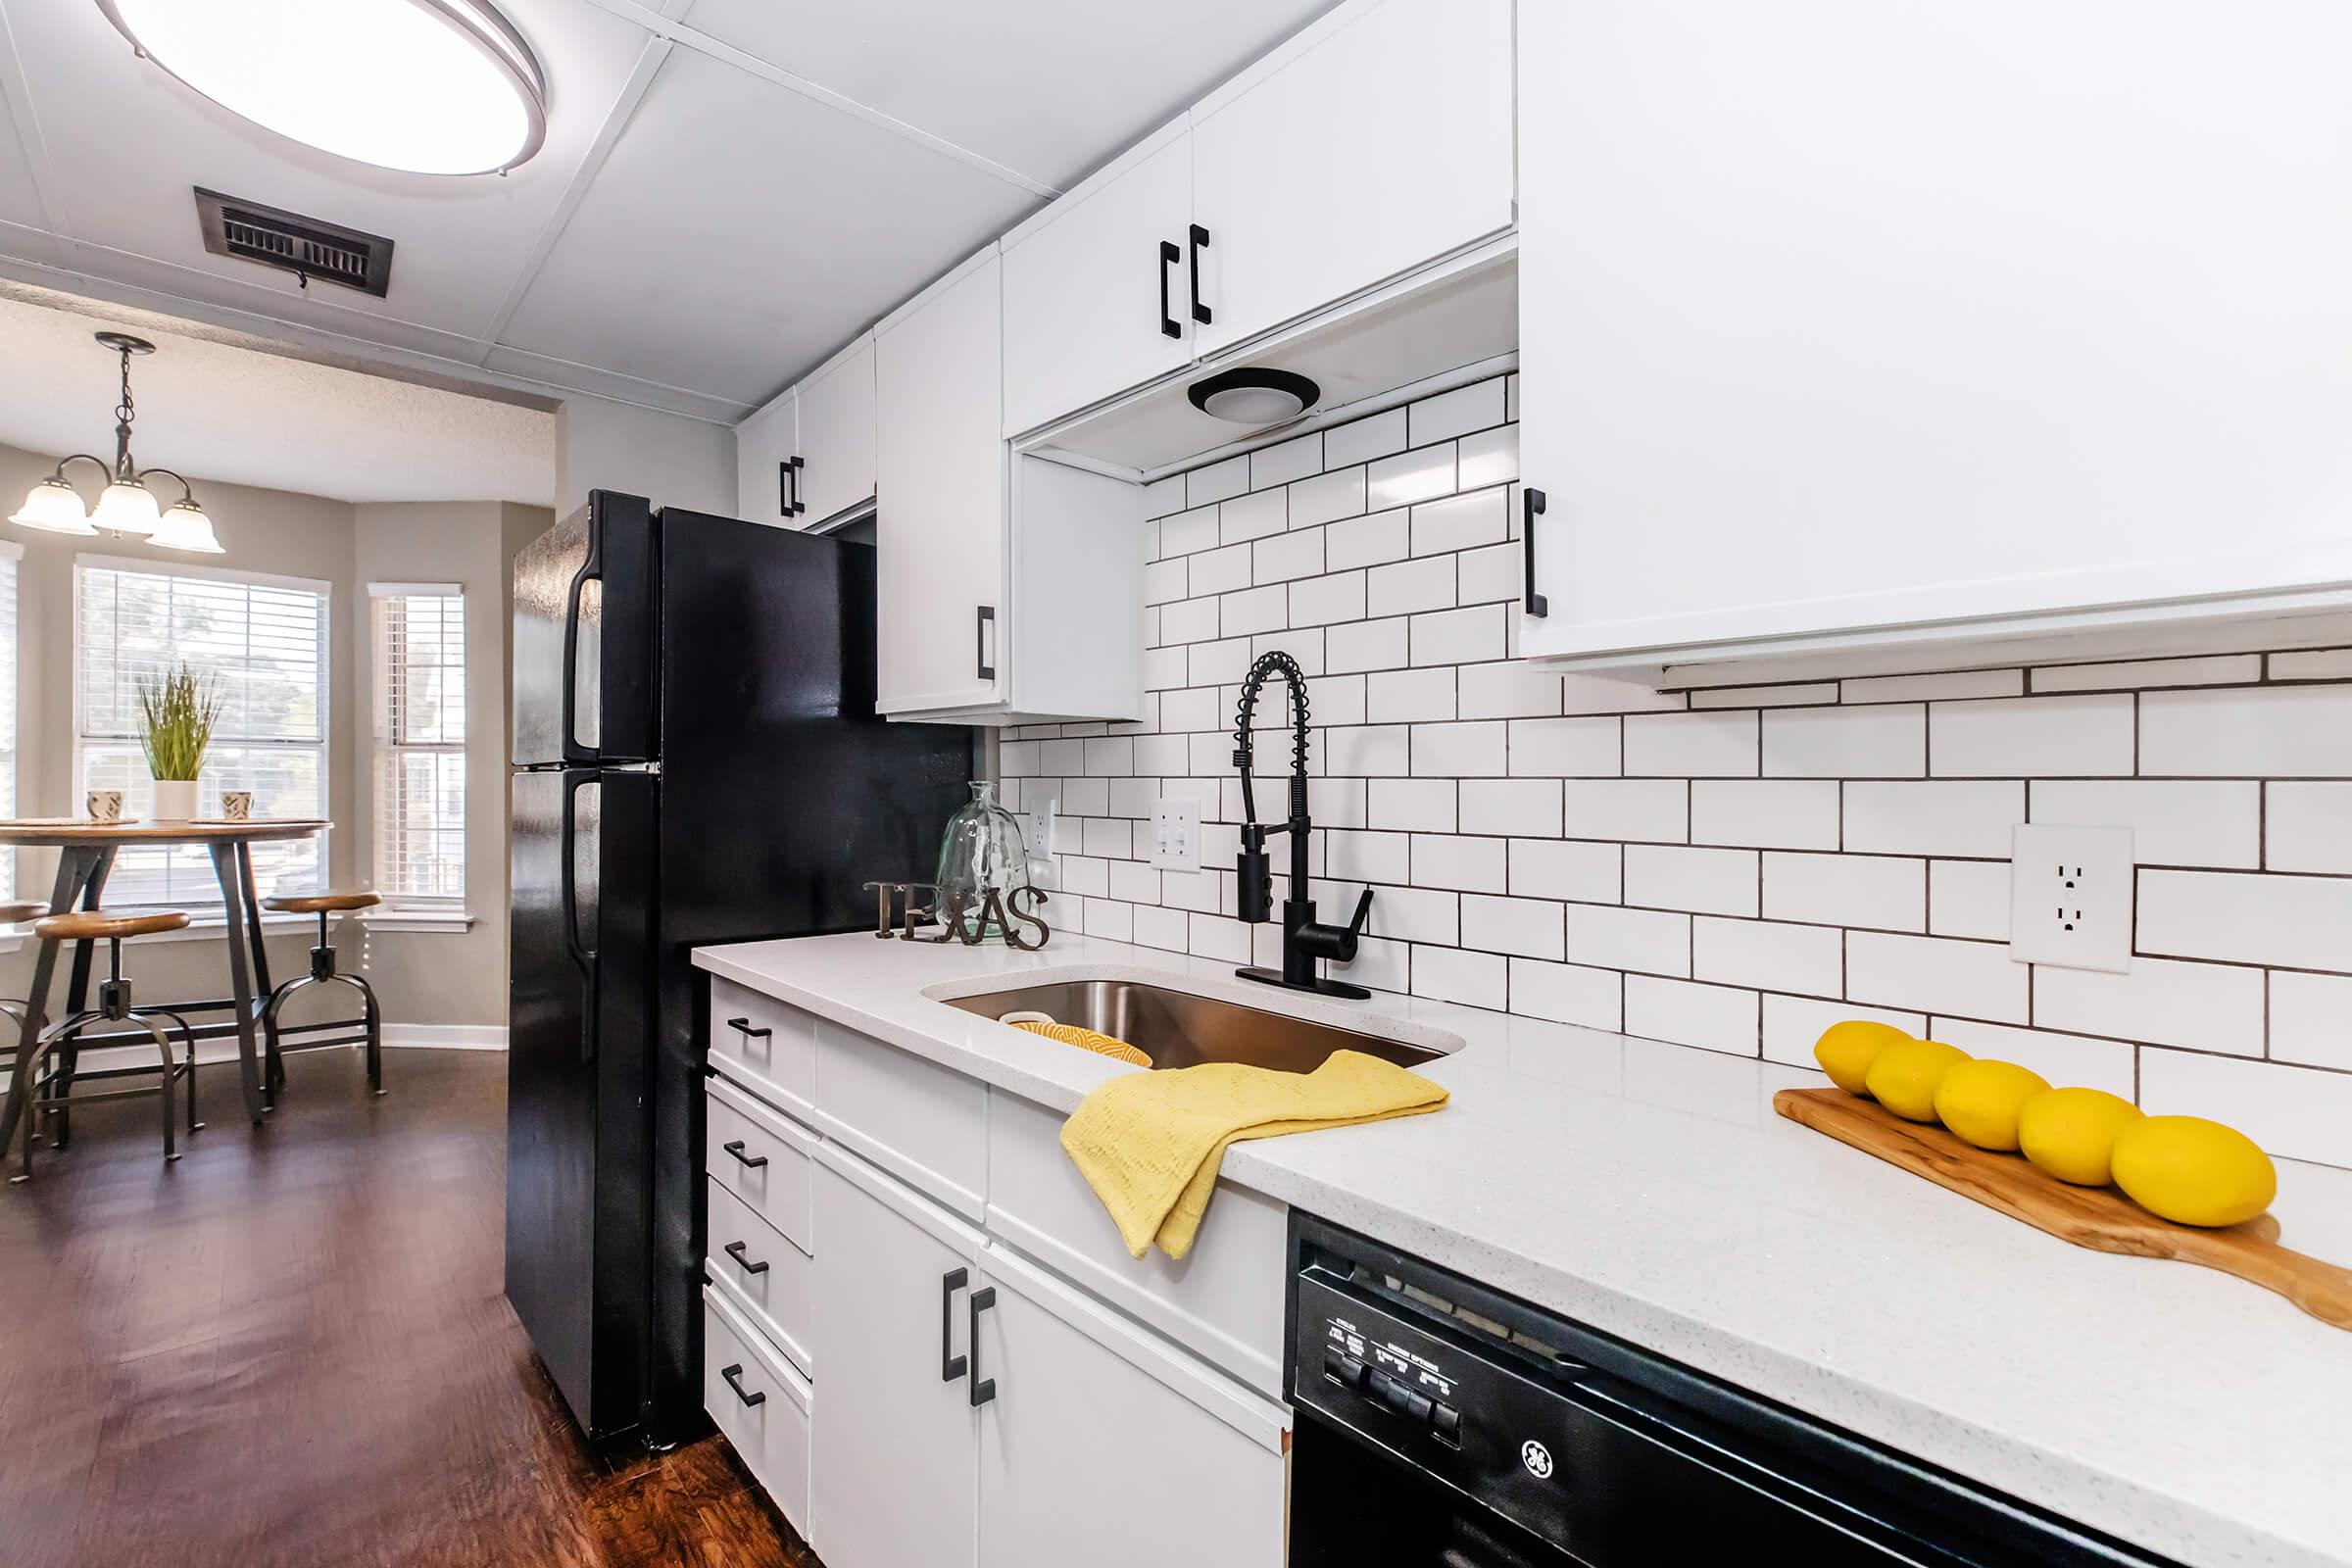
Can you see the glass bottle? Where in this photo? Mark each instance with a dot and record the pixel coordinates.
(982, 850)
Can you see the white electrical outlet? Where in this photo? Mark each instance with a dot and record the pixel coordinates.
(1037, 833)
(1176, 833)
(2070, 896)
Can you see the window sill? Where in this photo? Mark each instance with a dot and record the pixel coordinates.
(212, 927)
(446, 922)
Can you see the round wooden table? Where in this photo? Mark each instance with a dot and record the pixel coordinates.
(87, 856)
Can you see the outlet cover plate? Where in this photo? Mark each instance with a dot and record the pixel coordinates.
(1037, 829)
(2070, 896)
(1176, 833)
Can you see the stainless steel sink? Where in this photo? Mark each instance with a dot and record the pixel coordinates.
(1177, 1029)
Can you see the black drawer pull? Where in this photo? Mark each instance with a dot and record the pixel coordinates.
(1200, 239)
(743, 1027)
(734, 1249)
(983, 1389)
(950, 1367)
(747, 1161)
(734, 1376)
(1169, 256)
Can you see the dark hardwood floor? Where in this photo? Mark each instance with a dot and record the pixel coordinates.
(291, 1348)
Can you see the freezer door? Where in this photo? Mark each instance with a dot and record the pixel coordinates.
(585, 629)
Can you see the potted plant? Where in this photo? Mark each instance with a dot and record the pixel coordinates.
(176, 712)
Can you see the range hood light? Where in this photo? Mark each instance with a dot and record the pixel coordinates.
(1255, 396)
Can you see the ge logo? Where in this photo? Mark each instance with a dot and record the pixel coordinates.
(1537, 1458)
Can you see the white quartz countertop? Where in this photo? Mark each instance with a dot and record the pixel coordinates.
(1651, 1192)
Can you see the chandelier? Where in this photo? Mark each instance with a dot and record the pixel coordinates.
(126, 507)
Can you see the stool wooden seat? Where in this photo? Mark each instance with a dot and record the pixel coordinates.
(20, 910)
(96, 925)
(322, 902)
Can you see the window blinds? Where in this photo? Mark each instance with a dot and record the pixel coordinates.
(420, 743)
(263, 643)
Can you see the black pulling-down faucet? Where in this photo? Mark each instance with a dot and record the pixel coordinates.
(1304, 941)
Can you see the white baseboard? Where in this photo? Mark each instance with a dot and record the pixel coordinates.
(447, 1036)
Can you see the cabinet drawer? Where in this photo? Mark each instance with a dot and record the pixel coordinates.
(917, 1120)
(740, 1134)
(766, 1419)
(767, 1045)
(1224, 1301)
(762, 1273)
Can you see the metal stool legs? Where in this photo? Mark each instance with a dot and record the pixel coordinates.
(324, 971)
(54, 1089)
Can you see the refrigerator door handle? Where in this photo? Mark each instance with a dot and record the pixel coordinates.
(592, 568)
(582, 956)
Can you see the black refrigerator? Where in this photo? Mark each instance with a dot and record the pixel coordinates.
(696, 759)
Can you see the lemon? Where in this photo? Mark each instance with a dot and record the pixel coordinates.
(2070, 1133)
(2194, 1171)
(1846, 1049)
(1979, 1101)
(1906, 1074)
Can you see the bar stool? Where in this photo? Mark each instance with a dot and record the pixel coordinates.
(55, 1089)
(322, 972)
(15, 913)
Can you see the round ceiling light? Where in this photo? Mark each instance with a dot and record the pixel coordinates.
(430, 86)
(1253, 395)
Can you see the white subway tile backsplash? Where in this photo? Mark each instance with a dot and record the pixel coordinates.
(1931, 817)
(1928, 688)
(1888, 741)
(1188, 533)
(1399, 696)
(1461, 523)
(1222, 662)
(1571, 870)
(1369, 541)
(2220, 670)
(1458, 636)
(1252, 609)
(1218, 572)
(1648, 941)
(1792, 1025)
(1490, 457)
(1453, 974)
(1192, 620)
(1933, 974)
(1520, 806)
(1283, 557)
(1458, 861)
(2032, 737)
(1475, 407)
(1327, 497)
(1405, 586)
(1291, 459)
(2310, 1019)
(1460, 751)
(2206, 1006)
(2300, 922)
(1690, 744)
(1420, 474)
(2065, 1060)
(1528, 927)
(2273, 732)
(1163, 496)
(1216, 482)
(1359, 856)
(1165, 580)
(1253, 516)
(1157, 927)
(1365, 645)
(1797, 696)
(1410, 805)
(1768, 814)
(1361, 440)
(1710, 1017)
(1568, 993)
(1568, 748)
(2297, 1112)
(1968, 898)
(1636, 810)
(1369, 750)
(2307, 827)
(1874, 892)
(1611, 694)
(1766, 955)
(2312, 664)
(2172, 822)
(1488, 575)
(1507, 690)
(1188, 710)
(1323, 601)
(1674, 876)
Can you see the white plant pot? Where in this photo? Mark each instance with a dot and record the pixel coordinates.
(174, 800)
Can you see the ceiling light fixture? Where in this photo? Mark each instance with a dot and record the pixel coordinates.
(430, 86)
(126, 507)
(1253, 395)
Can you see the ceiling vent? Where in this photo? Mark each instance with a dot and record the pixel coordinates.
(306, 247)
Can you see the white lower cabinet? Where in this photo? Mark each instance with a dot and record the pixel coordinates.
(760, 1403)
(1104, 1443)
(891, 1482)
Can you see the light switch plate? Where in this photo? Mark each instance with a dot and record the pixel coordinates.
(2070, 896)
(1176, 833)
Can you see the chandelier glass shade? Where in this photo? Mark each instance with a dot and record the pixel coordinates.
(54, 507)
(126, 507)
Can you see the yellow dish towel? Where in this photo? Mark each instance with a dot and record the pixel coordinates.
(1101, 1044)
(1150, 1144)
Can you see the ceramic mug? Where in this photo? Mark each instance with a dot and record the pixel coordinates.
(236, 805)
(104, 806)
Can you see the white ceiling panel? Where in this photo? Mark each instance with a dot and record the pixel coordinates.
(1050, 88)
(125, 143)
(740, 232)
(19, 198)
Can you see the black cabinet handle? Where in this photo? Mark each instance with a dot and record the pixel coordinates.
(788, 487)
(1169, 256)
(950, 1367)
(986, 619)
(983, 1389)
(747, 1161)
(743, 1027)
(1533, 500)
(1199, 239)
(735, 1250)
(734, 1376)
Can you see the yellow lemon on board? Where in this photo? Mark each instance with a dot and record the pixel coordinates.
(1846, 1049)
(2194, 1171)
(2070, 1133)
(1979, 1101)
(1905, 1077)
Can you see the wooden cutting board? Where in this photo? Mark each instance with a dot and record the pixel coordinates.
(2096, 1217)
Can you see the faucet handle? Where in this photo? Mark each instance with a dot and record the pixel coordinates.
(1355, 928)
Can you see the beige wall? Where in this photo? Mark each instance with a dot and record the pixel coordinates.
(671, 460)
(425, 978)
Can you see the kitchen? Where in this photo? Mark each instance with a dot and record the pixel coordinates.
(1655, 527)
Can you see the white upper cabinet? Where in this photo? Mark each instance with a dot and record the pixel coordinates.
(1853, 326)
(940, 491)
(765, 446)
(837, 434)
(1098, 287)
(1377, 140)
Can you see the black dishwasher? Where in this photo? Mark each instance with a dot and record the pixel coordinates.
(1443, 1425)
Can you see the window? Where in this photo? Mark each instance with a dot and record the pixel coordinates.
(420, 743)
(262, 641)
(10, 553)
